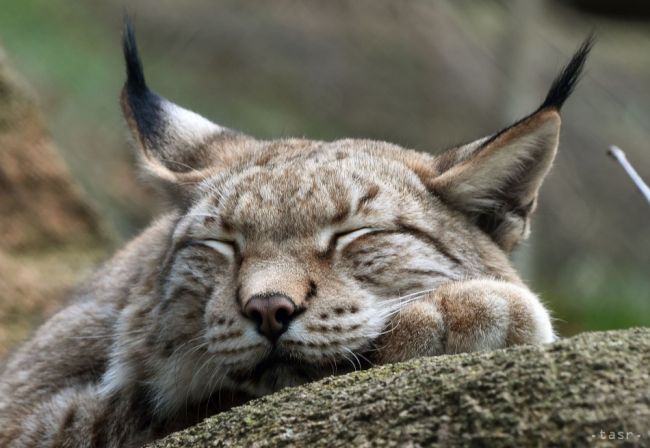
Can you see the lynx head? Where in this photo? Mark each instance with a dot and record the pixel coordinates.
(288, 257)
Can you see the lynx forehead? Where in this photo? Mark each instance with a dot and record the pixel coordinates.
(282, 262)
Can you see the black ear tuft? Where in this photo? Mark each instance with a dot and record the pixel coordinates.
(176, 146)
(566, 81)
(140, 105)
(135, 82)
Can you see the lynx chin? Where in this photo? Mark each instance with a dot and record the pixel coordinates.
(282, 262)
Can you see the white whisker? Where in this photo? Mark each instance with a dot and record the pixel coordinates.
(195, 375)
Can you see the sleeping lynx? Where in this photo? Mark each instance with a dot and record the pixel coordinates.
(283, 262)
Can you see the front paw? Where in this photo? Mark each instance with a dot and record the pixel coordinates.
(467, 316)
(416, 330)
(486, 314)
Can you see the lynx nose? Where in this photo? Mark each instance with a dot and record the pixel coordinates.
(272, 314)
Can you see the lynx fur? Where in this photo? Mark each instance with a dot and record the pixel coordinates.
(282, 262)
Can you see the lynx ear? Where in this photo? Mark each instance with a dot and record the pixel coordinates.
(174, 143)
(495, 180)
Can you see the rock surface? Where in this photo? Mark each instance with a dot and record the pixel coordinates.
(557, 395)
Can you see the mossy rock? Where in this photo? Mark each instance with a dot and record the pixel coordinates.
(580, 391)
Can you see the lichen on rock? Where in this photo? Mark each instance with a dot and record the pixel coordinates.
(577, 391)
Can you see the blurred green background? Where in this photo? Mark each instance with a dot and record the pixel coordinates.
(423, 74)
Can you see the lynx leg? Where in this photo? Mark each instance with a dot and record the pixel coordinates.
(466, 316)
(75, 417)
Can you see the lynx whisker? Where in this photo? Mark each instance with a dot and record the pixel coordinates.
(370, 363)
(180, 164)
(209, 387)
(226, 372)
(214, 189)
(113, 334)
(185, 355)
(395, 308)
(201, 215)
(406, 296)
(355, 357)
(349, 360)
(196, 375)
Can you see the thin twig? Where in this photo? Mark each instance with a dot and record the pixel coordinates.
(617, 154)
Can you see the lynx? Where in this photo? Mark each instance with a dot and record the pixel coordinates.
(282, 262)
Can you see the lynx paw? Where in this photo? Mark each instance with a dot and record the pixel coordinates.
(466, 316)
(491, 314)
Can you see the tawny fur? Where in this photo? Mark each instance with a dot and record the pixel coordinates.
(388, 254)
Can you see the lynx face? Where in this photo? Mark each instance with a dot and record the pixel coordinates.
(337, 235)
(287, 259)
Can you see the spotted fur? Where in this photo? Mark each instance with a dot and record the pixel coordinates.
(386, 253)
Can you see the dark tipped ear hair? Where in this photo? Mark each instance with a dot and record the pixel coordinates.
(495, 180)
(561, 88)
(176, 146)
(135, 81)
(142, 107)
(566, 81)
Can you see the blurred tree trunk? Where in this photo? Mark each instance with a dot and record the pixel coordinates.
(48, 232)
(518, 93)
(39, 203)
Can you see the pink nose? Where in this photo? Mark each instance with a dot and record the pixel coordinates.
(272, 313)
